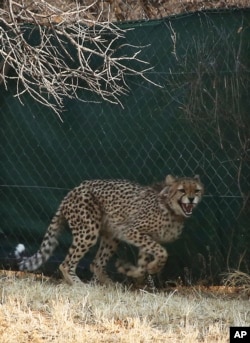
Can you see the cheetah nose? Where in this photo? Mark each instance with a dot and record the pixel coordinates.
(191, 199)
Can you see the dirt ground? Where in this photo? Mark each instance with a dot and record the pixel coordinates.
(123, 10)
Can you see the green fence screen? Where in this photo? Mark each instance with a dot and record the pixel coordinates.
(198, 122)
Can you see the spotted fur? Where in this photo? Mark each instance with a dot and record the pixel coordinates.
(119, 210)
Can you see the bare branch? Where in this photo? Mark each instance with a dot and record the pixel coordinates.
(55, 53)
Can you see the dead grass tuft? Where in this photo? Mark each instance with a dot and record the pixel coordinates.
(238, 279)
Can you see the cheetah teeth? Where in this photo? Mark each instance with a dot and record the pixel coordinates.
(187, 208)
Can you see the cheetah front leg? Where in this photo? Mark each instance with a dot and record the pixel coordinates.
(138, 271)
(108, 246)
(148, 247)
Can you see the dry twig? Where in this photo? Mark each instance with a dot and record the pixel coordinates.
(54, 53)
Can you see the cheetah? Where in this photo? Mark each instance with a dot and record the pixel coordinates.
(114, 211)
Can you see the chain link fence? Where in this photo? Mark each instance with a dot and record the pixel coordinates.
(197, 122)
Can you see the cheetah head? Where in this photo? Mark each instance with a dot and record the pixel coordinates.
(182, 195)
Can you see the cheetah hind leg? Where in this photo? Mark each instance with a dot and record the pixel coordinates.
(108, 246)
(76, 252)
(137, 272)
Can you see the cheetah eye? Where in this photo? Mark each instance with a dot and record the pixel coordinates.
(197, 191)
(182, 190)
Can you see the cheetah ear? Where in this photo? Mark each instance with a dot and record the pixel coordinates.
(169, 180)
(164, 191)
(197, 178)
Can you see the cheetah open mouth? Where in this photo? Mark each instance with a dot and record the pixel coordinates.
(187, 208)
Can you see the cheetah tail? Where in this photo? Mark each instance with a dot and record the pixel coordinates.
(46, 249)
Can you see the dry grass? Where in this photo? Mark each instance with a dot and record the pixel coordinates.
(37, 310)
(237, 278)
